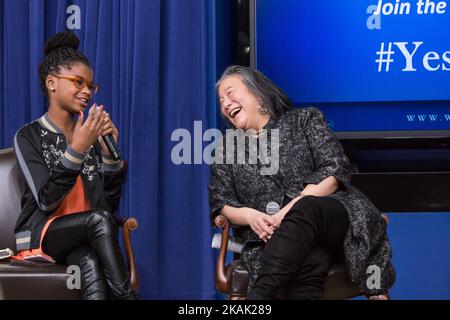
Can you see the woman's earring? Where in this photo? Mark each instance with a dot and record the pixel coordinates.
(261, 109)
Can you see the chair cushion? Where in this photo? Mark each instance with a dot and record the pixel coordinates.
(11, 189)
(237, 278)
(338, 285)
(26, 281)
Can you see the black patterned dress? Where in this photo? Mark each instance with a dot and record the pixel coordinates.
(308, 153)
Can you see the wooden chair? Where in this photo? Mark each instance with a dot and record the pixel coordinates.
(20, 280)
(233, 279)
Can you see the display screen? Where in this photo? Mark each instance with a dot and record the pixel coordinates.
(369, 65)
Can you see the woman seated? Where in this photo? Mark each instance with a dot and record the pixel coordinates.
(303, 216)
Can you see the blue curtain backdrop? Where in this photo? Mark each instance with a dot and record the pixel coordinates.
(152, 60)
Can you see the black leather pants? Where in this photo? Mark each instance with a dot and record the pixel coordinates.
(93, 282)
(89, 240)
(312, 232)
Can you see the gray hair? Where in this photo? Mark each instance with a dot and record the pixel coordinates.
(272, 98)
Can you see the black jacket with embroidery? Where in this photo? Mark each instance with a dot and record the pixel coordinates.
(50, 168)
(307, 152)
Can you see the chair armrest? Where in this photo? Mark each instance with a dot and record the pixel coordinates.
(128, 225)
(220, 277)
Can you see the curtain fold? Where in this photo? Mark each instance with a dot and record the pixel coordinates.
(152, 59)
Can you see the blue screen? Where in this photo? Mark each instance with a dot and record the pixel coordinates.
(325, 52)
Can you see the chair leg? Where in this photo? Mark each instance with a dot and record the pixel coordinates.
(236, 297)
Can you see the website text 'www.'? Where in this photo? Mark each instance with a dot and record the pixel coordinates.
(428, 117)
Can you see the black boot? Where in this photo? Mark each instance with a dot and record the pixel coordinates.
(102, 233)
(312, 220)
(93, 282)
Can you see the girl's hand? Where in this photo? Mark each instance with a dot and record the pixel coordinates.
(86, 133)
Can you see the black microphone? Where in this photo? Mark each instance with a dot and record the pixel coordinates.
(112, 146)
(110, 143)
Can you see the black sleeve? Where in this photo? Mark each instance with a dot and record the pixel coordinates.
(221, 190)
(327, 152)
(48, 189)
(114, 175)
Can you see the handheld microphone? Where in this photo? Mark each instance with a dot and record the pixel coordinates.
(272, 208)
(112, 146)
(110, 143)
